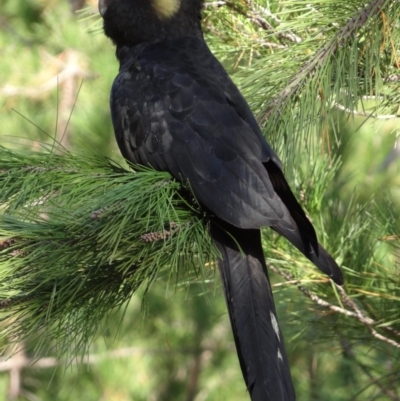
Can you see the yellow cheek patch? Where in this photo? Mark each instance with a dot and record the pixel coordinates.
(166, 8)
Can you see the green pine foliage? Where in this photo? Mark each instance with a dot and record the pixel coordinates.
(81, 235)
(81, 232)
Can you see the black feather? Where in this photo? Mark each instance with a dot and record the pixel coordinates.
(302, 234)
(259, 341)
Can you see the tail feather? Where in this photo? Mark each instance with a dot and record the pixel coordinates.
(252, 313)
(297, 228)
(321, 258)
(282, 188)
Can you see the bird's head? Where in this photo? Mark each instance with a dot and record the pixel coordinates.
(130, 22)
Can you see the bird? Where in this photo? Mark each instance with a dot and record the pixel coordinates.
(175, 108)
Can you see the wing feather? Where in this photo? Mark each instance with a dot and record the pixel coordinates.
(181, 113)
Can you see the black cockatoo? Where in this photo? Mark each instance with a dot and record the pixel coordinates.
(175, 108)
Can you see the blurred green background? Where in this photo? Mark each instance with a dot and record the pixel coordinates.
(56, 70)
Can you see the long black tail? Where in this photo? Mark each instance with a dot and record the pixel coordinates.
(248, 295)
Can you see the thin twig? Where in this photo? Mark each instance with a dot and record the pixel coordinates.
(290, 279)
(261, 12)
(365, 320)
(258, 16)
(7, 364)
(356, 313)
(391, 157)
(349, 352)
(392, 78)
(270, 45)
(37, 91)
(215, 4)
(365, 114)
(327, 51)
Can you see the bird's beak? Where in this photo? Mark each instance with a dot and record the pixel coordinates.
(103, 5)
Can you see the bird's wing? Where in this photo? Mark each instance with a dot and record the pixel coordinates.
(175, 108)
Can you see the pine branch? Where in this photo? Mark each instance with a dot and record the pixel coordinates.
(327, 51)
(80, 235)
(356, 313)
